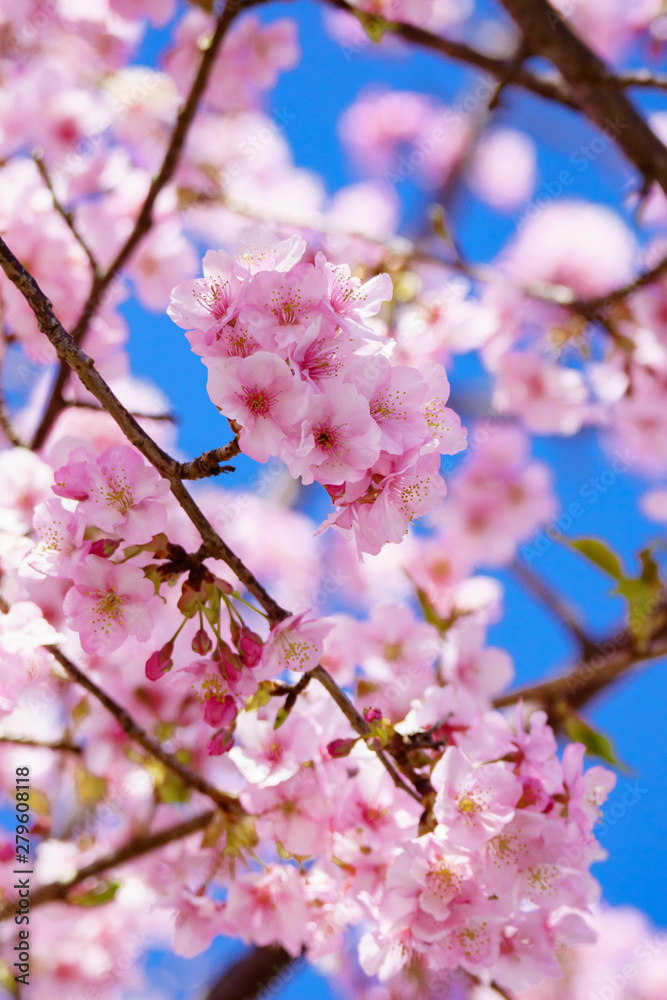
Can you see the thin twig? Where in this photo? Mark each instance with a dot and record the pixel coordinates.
(7, 427)
(135, 848)
(144, 220)
(565, 614)
(360, 725)
(226, 802)
(81, 404)
(210, 463)
(642, 78)
(63, 745)
(67, 216)
(68, 351)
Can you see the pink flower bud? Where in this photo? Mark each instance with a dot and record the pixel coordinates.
(219, 712)
(231, 666)
(250, 647)
(220, 742)
(201, 644)
(340, 748)
(160, 662)
(104, 547)
(372, 714)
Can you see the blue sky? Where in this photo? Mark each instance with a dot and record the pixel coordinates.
(314, 94)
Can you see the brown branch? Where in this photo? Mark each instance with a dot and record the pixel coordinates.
(561, 609)
(67, 216)
(623, 291)
(210, 463)
(144, 220)
(551, 88)
(7, 427)
(226, 802)
(68, 351)
(64, 745)
(598, 93)
(597, 670)
(642, 78)
(135, 848)
(81, 404)
(360, 725)
(258, 970)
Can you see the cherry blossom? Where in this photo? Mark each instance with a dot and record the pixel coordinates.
(108, 603)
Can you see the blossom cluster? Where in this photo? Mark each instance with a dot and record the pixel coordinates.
(293, 361)
(439, 845)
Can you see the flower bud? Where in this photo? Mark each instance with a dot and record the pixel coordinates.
(372, 714)
(219, 712)
(340, 748)
(104, 547)
(201, 644)
(250, 647)
(160, 662)
(220, 742)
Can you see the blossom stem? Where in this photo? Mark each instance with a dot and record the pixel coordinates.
(135, 848)
(227, 803)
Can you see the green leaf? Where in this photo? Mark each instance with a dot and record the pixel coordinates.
(375, 26)
(7, 981)
(596, 743)
(642, 594)
(102, 893)
(281, 716)
(261, 697)
(215, 831)
(90, 788)
(597, 552)
(152, 573)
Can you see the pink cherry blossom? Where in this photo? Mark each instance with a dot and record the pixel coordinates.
(108, 603)
(473, 803)
(210, 301)
(296, 643)
(269, 907)
(339, 439)
(117, 492)
(260, 393)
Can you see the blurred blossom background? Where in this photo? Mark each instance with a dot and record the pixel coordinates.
(360, 121)
(367, 138)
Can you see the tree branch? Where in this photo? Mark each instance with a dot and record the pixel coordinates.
(360, 726)
(144, 221)
(227, 803)
(210, 463)
(67, 216)
(68, 351)
(135, 848)
(564, 613)
(260, 969)
(607, 661)
(64, 745)
(597, 92)
(551, 88)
